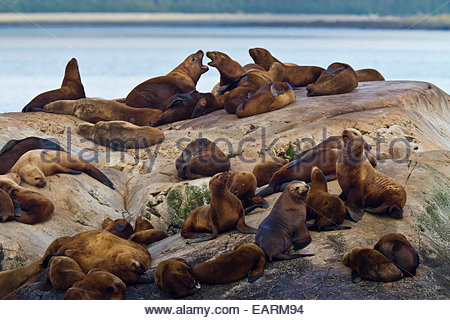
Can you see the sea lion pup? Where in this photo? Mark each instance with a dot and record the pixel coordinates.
(369, 75)
(175, 277)
(142, 224)
(35, 165)
(201, 158)
(147, 237)
(71, 89)
(95, 109)
(246, 260)
(154, 92)
(6, 207)
(337, 79)
(119, 227)
(225, 212)
(397, 248)
(285, 225)
(369, 264)
(243, 185)
(328, 211)
(62, 273)
(14, 149)
(101, 249)
(295, 75)
(264, 170)
(121, 135)
(363, 187)
(98, 284)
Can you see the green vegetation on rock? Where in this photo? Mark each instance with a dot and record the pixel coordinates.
(183, 199)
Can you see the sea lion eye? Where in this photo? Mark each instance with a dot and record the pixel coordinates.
(297, 188)
(354, 133)
(193, 59)
(37, 179)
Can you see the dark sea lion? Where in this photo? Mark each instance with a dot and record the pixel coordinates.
(71, 89)
(363, 187)
(142, 224)
(369, 264)
(224, 213)
(35, 165)
(154, 92)
(95, 109)
(62, 273)
(369, 75)
(14, 149)
(201, 158)
(174, 276)
(337, 79)
(268, 98)
(296, 76)
(6, 207)
(119, 227)
(147, 237)
(264, 170)
(246, 260)
(243, 185)
(397, 248)
(98, 284)
(328, 211)
(285, 225)
(120, 135)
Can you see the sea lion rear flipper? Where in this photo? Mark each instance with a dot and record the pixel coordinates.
(253, 278)
(355, 277)
(98, 175)
(61, 169)
(284, 256)
(266, 192)
(200, 107)
(203, 238)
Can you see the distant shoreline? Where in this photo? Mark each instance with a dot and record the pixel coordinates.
(441, 22)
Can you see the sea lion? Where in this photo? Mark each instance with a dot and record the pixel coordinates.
(264, 170)
(174, 276)
(328, 211)
(363, 187)
(6, 207)
(225, 212)
(35, 165)
(246, 260)
(98, 284)
(147, 237)
(369, 264)
(337, 79)
(14, 149)
(95, 109)
(397, 248)
(201, 158)
(121, 135)
(154, 92)
(142, 224)
(119, 227)
(295, 75)
(243, 185)
(268, 98)
(71, 89)
(62, 273)
(285, 225)
(369, 75)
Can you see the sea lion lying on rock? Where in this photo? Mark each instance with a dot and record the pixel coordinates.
(337, 79)
(62, 273)
(369, 75)
(175, 277)
(264, 170)
(147, 237)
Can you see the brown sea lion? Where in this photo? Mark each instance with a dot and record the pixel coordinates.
(397, 248)
(246, 260)
(285, 225)
(142, 224)
(328, 211)
(6, 207)
(369, 264)
(369, 75)
(201, 158)
(119, 227)
(337, 79)
(174, 276)
(71, 89)
(121, 135)
(225, 212)
(98, 284)
(363, 187)
(14, 149)
(35, 165)
(268, 98)
(154, 92)
(95, 109)
(243, 185)
(295, 75)
(264, 170)
(62, 273)
(147, 237)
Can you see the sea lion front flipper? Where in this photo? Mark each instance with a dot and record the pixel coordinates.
(258, 270)
(252, 278)
(355, 277)
(243, 228)
(301, 237)
(355, 204)
(266, 192)
(200, 107)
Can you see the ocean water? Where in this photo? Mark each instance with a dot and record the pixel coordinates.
(113, 60)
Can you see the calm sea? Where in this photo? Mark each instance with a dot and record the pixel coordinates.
(113, 60)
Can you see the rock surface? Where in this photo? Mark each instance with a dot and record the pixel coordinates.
(406, 121)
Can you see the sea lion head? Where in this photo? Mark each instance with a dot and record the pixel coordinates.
(350, 135)
(278, 88)
(35, 177)
(261, 56)
(297, 189)
(129, 261)
(194, 66)
(347, 259)
(217, 58)
(175, 277)
(220, 179)
(276, 71)
(10, 183)
(84, 129)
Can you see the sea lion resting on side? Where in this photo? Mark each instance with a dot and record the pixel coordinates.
(175, 277)
(369, 75)
(369, 264)
(6, 207)
(147, 237)
(35, 165)
(264, 170)
(71, 89)
(285, 225)
(243, 185)
(337, 79)
(121, 135)
(246, 260)
(142, 224)
(119, 227)
(62, 273)
(363, 187)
